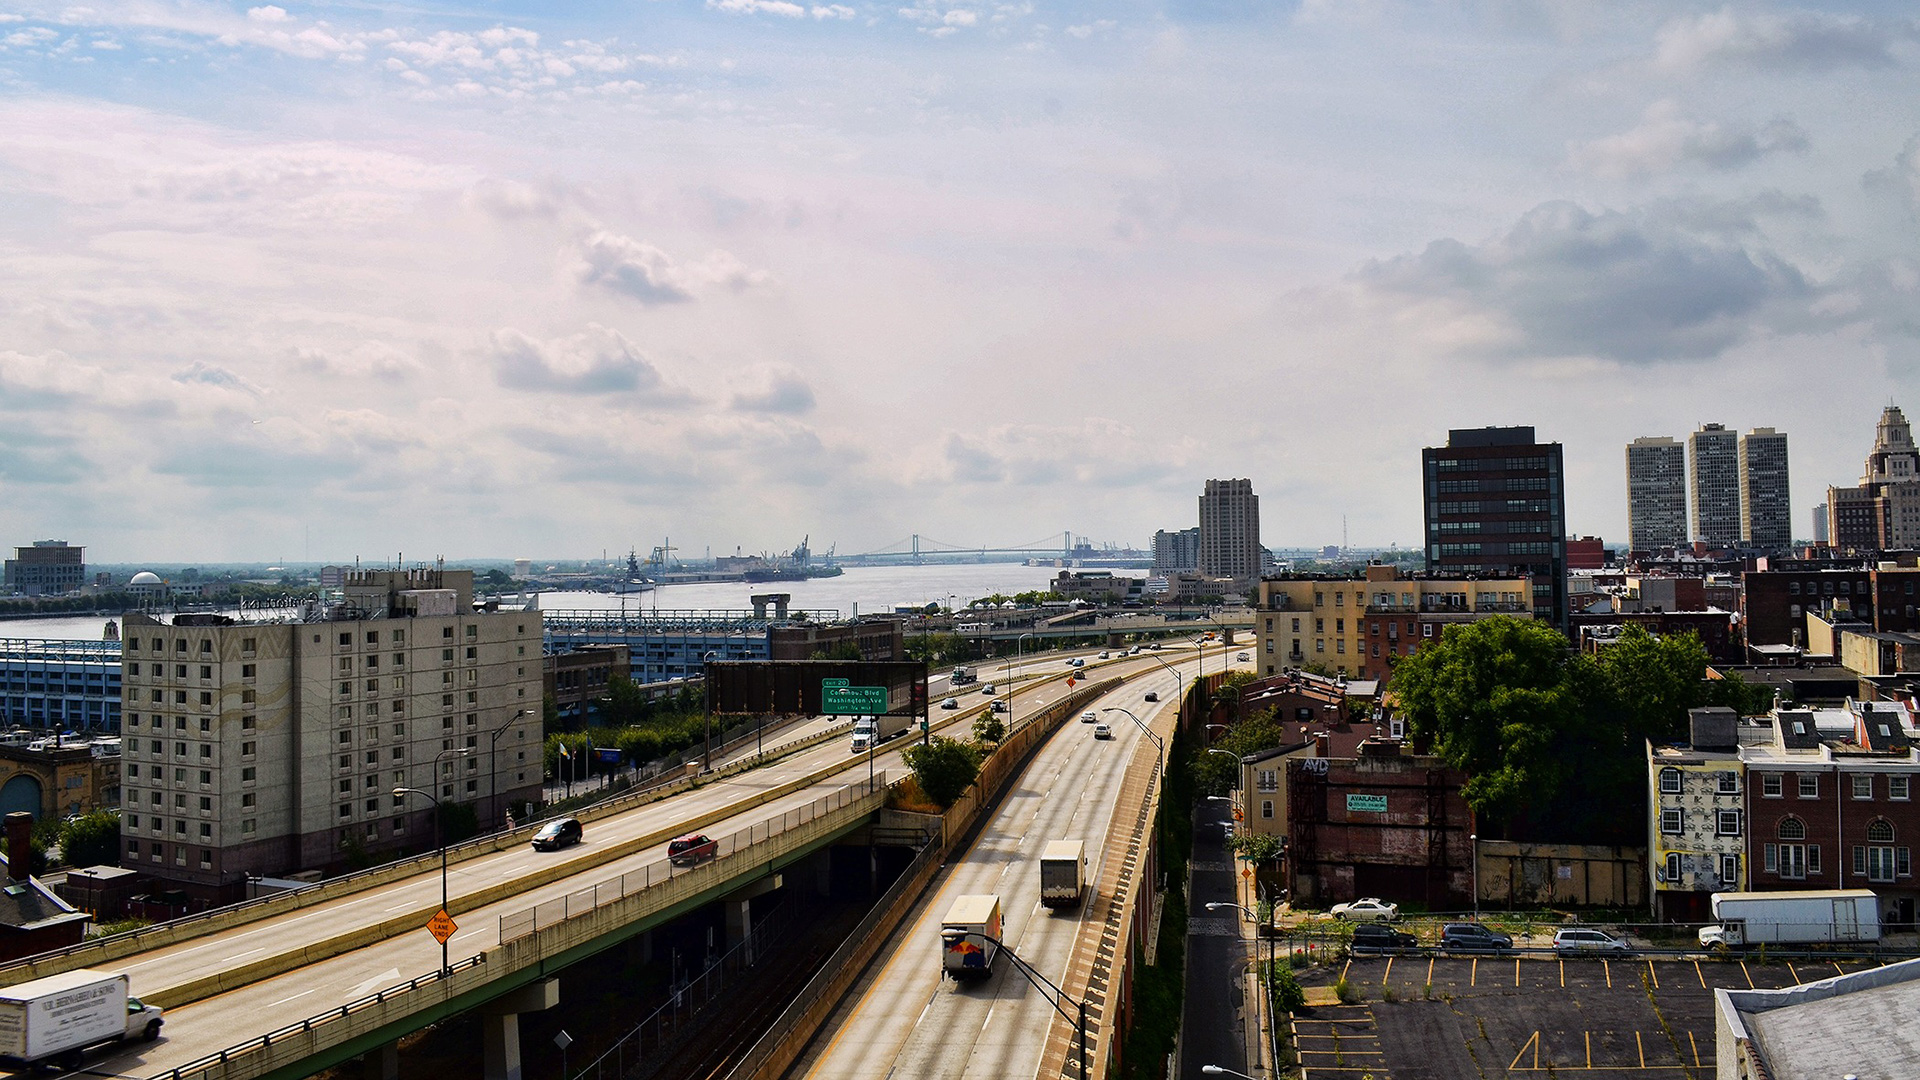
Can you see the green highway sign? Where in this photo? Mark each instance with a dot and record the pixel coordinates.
(846, 700)
(828, 684)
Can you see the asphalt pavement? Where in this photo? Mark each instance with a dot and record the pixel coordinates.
(1213, 1029)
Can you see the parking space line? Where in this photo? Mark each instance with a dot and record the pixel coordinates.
(1691, 1041)
(1516, 972)
(1344, 969)
(1533, 1042)
(1837, 968)
(1588, 1035)
(1642, 1047)
(1748, 974)
(1795, 974)
(1430, 963)
(1698, 974)
(1563, 974)
(1387, 974)
(1607, 966)
(1654, 975)
(1473, 975)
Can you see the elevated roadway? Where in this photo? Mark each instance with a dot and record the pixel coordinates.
(228, 987)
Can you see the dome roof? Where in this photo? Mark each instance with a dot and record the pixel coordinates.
(145, 577)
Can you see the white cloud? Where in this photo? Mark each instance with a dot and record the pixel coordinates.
(1665, 138)
(594, 361)
(832, 11)
(269, 14)
(1805, 40)
(759, 7)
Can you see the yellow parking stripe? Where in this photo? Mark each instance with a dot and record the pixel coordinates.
(1654, 975)
(1607, 966)
(1748, 974)
(1642, 1048)
(1701, 975)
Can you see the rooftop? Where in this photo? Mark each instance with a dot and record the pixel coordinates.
(1850, 1025)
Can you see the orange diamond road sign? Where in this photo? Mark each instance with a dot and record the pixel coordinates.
(441, 926)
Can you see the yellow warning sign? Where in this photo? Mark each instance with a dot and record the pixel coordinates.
(441, 926)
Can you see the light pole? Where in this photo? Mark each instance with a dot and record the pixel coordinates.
(1018, 644)
(954, 935)
(1177, 677)
(706, 740)
(1215, 1070)
(493, 772)
(1157, 740)
(1474, 840)
(446, 968)
(1266, 980)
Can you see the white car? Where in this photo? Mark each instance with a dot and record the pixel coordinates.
(1367, 909)
(1102, 731)
(1089, 718)
(1104, 656)
(950, 703)
(1242, 658)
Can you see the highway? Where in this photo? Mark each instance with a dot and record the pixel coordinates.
(207, 1026)
(912, 1022)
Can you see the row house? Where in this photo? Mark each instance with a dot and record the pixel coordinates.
(1696, 804)
(1360, 626)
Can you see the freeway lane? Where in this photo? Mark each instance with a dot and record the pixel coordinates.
(912, 1022)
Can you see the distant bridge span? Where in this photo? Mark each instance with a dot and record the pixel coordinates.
(916, 548)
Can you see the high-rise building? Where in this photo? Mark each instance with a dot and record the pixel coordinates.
(1820, 533)
(261, 748)
(1656, 494)
(1883, 512)
(1230, 531)
(1715, 481)
(1496, 505)
(1766, 511)
(47, 568)
(1174, 552)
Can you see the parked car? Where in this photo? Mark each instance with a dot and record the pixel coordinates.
(1089, 718)
(1473, 937)
(1102, 731)
(558, 833)
(1375, 938)
(950, 703)
(1152, 696)
(1367, 909)
(691, 848)
(1575, 941)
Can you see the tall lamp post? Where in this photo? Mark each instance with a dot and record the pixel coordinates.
(493, 772)
(1018, 644)
(1157, 740)
(446, 968)
(1266, 981)
(1474, 840)
(954, 935)
(1177, 677)
(706, 740)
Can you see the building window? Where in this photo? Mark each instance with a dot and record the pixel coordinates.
(1809, 785)
(1266, 808)
(1672, 822)
(1729, 870)
(1728, 783)
(1770, 786)
(1863, 785)
(1897, 788)
(1669, 781)
(1793, 829)
(1727, 823)
(1673, 867)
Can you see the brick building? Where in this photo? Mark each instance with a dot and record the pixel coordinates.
(1774, 603)
(1381, 823)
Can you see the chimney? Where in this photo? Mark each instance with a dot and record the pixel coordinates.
(1322, 745)
(19, 845)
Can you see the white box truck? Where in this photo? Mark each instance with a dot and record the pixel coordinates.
(57, 1017)
(869, 730)
(1792, 918)
(1063, 873)
(965, 951)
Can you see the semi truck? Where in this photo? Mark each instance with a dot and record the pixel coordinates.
(1063, 873)
(57, 1017)
(969, 936)
(1811, 917)
(962, 676)
(869, 730)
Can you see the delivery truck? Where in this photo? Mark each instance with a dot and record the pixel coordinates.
(870, 730)
(970, 935)
(1792, 918)
(1063, 873)
(57, 1017)
(962, 676)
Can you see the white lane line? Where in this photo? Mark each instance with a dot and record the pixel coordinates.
(284, 1000)
(238, 955)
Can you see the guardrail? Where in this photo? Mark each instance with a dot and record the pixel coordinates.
(530, 946)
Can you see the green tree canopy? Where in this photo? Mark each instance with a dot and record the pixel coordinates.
(944, 768)
(91, 840)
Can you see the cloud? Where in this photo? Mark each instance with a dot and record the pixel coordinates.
(633, 269)
(511, 199)
(1665, 139)
(1902, 177)
(784, 393)
(759, 7)
(204, 374)
(1566, 282)
(366, 360)
(1804, 41)
(596, 361)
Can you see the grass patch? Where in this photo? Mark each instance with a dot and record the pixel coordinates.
(1348, 993)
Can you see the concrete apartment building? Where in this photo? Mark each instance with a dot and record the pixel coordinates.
(1766, 508)
(1714, 483)
(272, 747)
(1656, 494)
(1883, 512)
(1230, 531)
(48, 568)
(1176, 551)
(1495, 502)
(1358, 626)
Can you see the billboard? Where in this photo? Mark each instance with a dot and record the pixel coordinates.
(793, 687)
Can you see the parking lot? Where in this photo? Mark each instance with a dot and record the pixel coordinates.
(1447, 1018)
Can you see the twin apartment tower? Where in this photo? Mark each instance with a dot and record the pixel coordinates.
(1738, 485)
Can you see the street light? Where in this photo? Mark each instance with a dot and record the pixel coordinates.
(493, 772)
(446, 968)
(952, 936)
(1177, 677)
(1474, 839)
(1266, 981)
(1019, 644)
(1215, 1070)
(706, 740)
(1158, 741)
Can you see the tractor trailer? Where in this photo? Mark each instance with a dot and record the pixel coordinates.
(970, 936)
(870, 731)
(1793, 918)
(57, 1017)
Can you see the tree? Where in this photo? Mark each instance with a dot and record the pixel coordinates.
(1228, 692)
(989, 728)
(1654, 681)
(846, 650)
(1257, 847)
(91, 840)
(944, 768)
(1215, 774)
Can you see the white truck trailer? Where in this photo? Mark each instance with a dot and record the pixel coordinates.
(57, 1017)
(966, 951)
(1817, 916)
(1063, 873)
(870, 731)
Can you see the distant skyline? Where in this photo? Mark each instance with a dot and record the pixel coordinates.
(504, 280)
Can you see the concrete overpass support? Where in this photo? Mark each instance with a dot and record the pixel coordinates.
(500, 1023)
(738, 907)
(1115, 639)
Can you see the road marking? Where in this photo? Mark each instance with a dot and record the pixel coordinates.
(1696, 1048)
(1516, 971)
(1795, 974)
(1348, 966)
(1642, 1047)
(1837, 967)
(1698, 974)
(1563, 974)
(1748, 974)
(301, 994)
(238, 955)
(1430, 962)
(1387, 974)
(1473, 975)
(1607, 966)
(1533, 1042)
(1588, 1035)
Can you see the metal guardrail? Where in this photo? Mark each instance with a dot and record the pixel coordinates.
(200, 1065)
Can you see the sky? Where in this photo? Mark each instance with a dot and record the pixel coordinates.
(316, 281)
